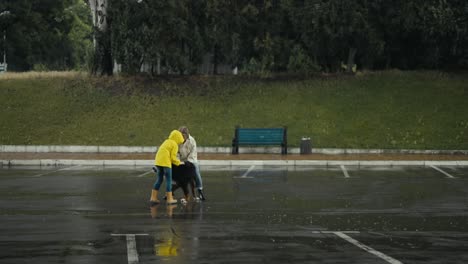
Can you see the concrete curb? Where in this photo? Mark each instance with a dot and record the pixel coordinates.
(219, 150)
(229, 163)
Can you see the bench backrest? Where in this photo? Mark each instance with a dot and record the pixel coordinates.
(260, 136)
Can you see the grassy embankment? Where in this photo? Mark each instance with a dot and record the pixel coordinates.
(393, 109)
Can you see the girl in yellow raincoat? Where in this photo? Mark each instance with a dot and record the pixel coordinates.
(165, 157)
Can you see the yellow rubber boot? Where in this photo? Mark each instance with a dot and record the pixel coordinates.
(170, 209)
(154, 211)
(170, 200)
(154, 197)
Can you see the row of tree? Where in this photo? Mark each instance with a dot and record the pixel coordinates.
(46, 34)
(256, 36)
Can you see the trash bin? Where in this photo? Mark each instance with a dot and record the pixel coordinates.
(306, 145)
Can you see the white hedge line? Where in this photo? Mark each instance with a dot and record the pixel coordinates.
(229, 163)
(221, 150)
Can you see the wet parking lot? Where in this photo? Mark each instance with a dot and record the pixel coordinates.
(253, 214)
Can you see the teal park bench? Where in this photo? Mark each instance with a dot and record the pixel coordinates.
(260, 136)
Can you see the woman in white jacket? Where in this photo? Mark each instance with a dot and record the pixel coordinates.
(188, 152)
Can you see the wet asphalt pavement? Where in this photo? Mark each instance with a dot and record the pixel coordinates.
(253, 214)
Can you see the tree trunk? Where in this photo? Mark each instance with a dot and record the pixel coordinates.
(351, 55)
(215, 59)
(158, 65)
(102, 63)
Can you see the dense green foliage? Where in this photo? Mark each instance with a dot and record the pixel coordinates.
(261, 37)
(290, 36)
(46, 35)
(392, 109)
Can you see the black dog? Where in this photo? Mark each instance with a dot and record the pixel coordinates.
(183, 176)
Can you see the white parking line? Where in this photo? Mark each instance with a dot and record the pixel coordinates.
(129, 234)
(42, 174)
(131, 250)
(141, 175)
(132, 253)
(333, 232)
(345, 172)
(367, 248)
(247, 172)
(443, 172)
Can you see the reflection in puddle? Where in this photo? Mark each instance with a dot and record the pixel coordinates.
(167, 248)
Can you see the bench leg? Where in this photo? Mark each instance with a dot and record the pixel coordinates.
(284, 150)
(235, 149)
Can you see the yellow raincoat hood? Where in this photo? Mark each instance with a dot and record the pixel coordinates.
(167, 152)
(176, 136)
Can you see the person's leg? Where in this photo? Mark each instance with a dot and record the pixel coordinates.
(170, 200)
(154, 193)
(199, 182)
(160, 174)
(168, 173)
(198, 179)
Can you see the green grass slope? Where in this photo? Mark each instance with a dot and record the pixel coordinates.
(392, 109)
